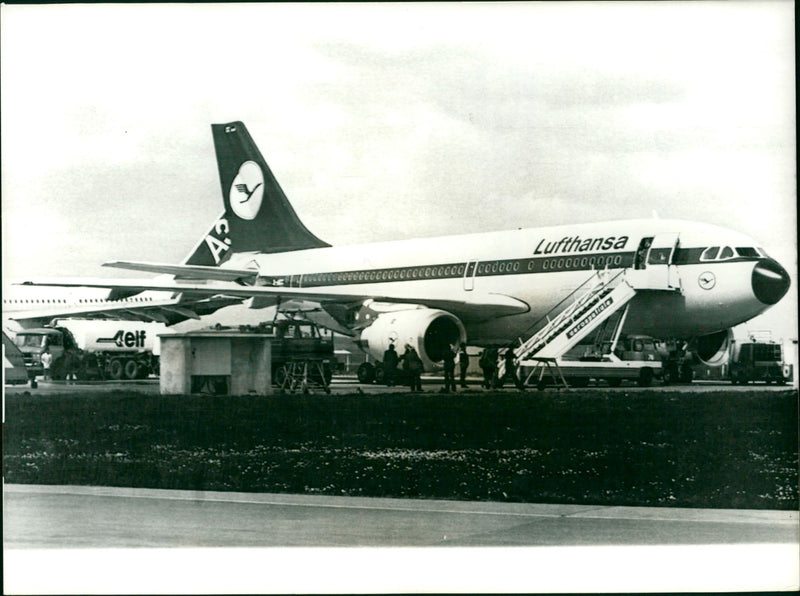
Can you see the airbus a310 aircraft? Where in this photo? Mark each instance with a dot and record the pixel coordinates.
(540, 289)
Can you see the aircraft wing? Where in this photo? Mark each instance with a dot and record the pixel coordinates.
(476, 305)
(170, 310)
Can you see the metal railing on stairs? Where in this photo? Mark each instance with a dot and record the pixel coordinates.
(594, 304)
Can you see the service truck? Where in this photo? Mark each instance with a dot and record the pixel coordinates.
(296, 340)
(758, 361)
(637, 358)
(92, 349)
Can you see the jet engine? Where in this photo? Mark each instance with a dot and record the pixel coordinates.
(429, 331)
(713, 349)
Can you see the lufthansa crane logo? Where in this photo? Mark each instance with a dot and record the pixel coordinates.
(707, 280)
(247, 190)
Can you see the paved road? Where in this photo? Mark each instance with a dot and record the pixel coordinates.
(62, 516)
(599, 548)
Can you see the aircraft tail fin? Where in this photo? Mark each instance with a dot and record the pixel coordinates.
(258, 217)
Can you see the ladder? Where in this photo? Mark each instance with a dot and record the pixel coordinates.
(603, 298)
(298, 375)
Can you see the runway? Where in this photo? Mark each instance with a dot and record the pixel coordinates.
(71, 517)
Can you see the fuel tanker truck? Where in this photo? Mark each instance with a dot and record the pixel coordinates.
(92, 349)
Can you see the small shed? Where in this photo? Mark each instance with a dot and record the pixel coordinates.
(219, 362)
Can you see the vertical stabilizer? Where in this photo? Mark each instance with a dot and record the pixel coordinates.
(258, 216)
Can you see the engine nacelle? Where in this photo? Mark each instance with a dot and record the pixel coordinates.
(429, 331)
(714, 349)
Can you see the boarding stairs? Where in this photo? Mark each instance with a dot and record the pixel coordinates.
(597, 300)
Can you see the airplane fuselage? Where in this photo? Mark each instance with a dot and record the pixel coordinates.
(694, 289)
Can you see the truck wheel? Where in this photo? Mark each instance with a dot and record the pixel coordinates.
(645, 377)
(115, 369)
(365, 373)
(131, 369)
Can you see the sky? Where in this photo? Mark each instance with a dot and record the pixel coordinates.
(393, 121)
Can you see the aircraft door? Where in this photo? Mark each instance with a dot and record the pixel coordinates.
(469, 275)
(662, 274)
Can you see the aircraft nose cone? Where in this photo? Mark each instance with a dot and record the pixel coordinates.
(770, 281)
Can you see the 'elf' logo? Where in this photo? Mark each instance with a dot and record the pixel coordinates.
(125, 339)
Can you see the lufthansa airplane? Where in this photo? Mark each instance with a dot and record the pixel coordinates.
(687, 280)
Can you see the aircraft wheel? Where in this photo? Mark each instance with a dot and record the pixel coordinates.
(365, 373)
(686, 374)
(115, 369)
(671, 374)
(380, 375)
(645, 377)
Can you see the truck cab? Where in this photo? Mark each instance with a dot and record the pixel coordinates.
(638, 347)
(33, 342)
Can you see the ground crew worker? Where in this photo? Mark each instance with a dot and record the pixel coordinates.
(47, 359)
(488, 364)
(412, 365)
(463, 364)
(449, 360)
(511, 368)
(390, 360)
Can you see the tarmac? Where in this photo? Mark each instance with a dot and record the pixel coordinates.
(467, 546)
(349, 384)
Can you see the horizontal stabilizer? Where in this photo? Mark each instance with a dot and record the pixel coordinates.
(187, 271)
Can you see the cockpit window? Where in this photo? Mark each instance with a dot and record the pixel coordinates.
(726, 253)
(746, 251)
(710, 253)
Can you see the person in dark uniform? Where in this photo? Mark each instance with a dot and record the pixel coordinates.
(511, 368)
(390, 360)
(463, 364)
(449, 360)
(412, 365)
(488, 363)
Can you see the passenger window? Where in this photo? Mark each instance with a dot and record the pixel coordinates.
(710, 253)
(726, 253)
